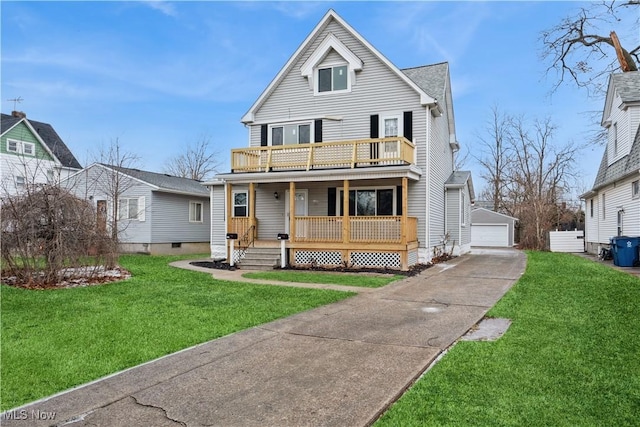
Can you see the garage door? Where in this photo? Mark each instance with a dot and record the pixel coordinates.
(490, 235)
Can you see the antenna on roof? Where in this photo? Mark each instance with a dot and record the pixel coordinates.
(16, 101)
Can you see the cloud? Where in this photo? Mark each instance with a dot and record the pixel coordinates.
(165, 7)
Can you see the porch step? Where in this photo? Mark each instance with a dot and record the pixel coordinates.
(256, 258)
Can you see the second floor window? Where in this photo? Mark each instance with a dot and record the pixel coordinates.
(299, 133)
(332, 79)
(21, 147)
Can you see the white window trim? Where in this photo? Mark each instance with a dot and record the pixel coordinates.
(193, 208)
(463, 211)
(20, 147)
(20, 181)
(140, 215)
(233, 203)
(332, 65)
(311, 124)
(386, 187)
(635, 189)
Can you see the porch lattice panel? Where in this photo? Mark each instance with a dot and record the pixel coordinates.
(375, 259)
(318, 257)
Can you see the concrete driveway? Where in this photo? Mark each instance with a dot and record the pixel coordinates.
(338, 365)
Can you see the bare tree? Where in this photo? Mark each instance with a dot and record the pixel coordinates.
(495, 157)
(589, 36)
(111, 183)
(197, 161)
(538, 175)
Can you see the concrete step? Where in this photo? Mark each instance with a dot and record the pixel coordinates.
(260, 258)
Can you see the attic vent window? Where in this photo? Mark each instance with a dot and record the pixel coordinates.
(332, 78)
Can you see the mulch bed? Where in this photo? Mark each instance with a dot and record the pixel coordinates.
(416, 269)
(72, 278)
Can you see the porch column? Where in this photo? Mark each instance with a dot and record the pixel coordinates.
(292, 211)
(229, 219)
(252, 209)
(346, 223)
(404, 255)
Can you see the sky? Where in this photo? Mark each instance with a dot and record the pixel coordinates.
(158, 76)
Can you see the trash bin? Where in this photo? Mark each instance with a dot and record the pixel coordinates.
(625, 250)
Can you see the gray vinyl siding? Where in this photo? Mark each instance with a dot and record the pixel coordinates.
(378, 90)
(440, 168)
(482, 216)
(171, 220)
(453, 215)
(218, 231)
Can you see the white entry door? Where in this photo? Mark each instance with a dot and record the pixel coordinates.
(302, 207)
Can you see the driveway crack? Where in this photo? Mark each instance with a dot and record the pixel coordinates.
(164, 411)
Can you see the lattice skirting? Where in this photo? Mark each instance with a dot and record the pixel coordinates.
(238, 256)
(318, 257)
(375, 259)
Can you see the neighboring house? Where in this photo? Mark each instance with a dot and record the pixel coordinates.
(156, 213)
(613, 204)
(489, 228)
(350, 156)
(31, 152)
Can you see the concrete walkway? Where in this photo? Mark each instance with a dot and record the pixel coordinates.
(338, 365)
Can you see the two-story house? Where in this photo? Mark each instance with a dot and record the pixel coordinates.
(31, 152)
(349, 156)
(613, 204)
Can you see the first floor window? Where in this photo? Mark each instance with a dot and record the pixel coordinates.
(368, 202)
(620, 220)
(195, 212)
(635, 189)
(591, 208)
(20, 181)
(240, 204)
(463, 213)
(128, 208)
(604, 212)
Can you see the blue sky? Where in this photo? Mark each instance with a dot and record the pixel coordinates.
(160, 75)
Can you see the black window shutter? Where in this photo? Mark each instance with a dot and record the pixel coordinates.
(374, 126)
(331, 201)
(399, 200)
(408, 125)
(264, 129)
(317, 130)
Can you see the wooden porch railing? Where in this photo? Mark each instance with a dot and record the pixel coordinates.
(364, 229)
(341, 154)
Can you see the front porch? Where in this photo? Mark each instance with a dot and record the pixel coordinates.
(383, 241)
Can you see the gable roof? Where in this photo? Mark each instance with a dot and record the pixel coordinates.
(491, 212)
(47, 134)
(160, 182)
(459, 179)
(331, 15)
(627, 85)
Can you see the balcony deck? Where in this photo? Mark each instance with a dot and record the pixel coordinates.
(324, 155)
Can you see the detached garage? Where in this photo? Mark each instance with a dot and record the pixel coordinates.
(489, 228)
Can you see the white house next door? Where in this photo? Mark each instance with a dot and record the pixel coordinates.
(302, 206)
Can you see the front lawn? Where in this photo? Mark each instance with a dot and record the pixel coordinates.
(347, 279)
(56, 339)
(570, 358)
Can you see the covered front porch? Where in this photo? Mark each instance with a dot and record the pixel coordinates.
(377, 234)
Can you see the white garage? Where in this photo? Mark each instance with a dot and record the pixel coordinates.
(490, 235)
(493, 229)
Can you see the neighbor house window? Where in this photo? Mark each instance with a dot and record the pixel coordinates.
(615, 139)
(369, 202)
(635, 189)
(21, 147)
(604, 212)
(240, 204)
(332, 79)
(20, 181)
(195, 212)
(128, 208)
(591, 208)
(463, 213)
(298, 133)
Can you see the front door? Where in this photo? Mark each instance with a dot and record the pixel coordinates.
(302, 207)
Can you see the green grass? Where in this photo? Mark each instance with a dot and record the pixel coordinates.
(56, 339)
(570, 358)
(347, 279)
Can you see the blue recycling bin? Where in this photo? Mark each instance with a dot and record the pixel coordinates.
(625, 250)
